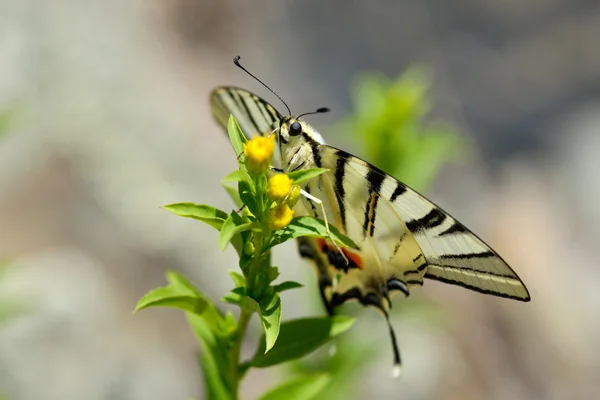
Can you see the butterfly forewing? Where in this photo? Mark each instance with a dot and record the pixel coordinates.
(254, 115)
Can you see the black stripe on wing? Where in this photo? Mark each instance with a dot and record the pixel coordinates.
(399, 190)
(375, 181)
(476, 288)
(254, 115)
(434, 218)
(340, 192)
(456, 227)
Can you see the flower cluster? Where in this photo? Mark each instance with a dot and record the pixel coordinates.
(280, 189)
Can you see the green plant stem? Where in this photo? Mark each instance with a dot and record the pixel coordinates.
(235, 352)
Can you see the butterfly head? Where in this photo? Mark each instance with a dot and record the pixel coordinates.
(290, 130)
(293, 129)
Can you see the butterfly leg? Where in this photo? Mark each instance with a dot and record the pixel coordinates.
(320, 203)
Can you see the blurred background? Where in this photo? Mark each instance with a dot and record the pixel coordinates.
(108, 119)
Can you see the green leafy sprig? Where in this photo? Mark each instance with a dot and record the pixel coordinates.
(250, 230)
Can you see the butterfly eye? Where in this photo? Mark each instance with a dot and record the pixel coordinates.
(295, 129)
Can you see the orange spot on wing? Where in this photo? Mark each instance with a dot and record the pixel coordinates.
(322, 244)
(354, 258)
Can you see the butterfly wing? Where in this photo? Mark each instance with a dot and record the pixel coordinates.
(404, 234)
(254, 115)
(402, 237)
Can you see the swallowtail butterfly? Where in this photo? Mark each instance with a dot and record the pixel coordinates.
(402, 237)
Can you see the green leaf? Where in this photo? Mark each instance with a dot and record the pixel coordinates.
(175, 297)
(238, 176)
(301, 388)
(287, 285)
(232, 298)
(300, 337)
(211, 329)
(238, 279)
(236, 136)
(213, 333)
(233, 225)
(211, 314)
(309, 226)
(213, 359)
(207, 214)
(345, 367)
(243, 301)
(246, 194)
(272, 273)
(306, 174)
(238, 297)
(270, 316)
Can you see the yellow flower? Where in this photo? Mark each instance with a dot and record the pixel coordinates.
(258, 153)
(280, 216)
(279, 187)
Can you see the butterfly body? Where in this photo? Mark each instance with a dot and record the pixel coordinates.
(402, 237)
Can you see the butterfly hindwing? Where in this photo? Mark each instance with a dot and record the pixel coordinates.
(452, 253)
(388, 259)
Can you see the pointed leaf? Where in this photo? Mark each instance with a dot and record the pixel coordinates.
(210, 215)
(302, 388)
(243, 301)
(211, 314)
(309, 226)
(287, 285)
(300, 337)
(170, 296)
(236, 136)
(246, 193)
(238, 279)
(270, 316)
(306, 174)
(213, 359)
(237, 176)
(233, 225)
(272, 273)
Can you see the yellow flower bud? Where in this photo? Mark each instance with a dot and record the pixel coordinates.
(280, 216)
(258, 153)
(279, 187)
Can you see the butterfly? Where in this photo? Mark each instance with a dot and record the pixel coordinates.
(402, 237)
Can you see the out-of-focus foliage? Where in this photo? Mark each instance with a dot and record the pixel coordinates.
(7, 308)
(390, 123)
(6, 119)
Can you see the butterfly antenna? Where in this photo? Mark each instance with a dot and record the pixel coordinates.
(236, 61)
(317, 111)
